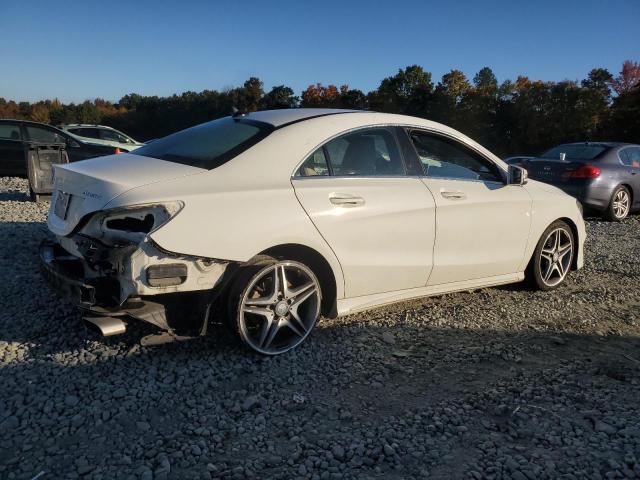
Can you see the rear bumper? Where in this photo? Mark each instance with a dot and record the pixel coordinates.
(592, 195)
(174, 312)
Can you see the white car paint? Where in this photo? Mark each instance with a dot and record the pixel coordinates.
(406, 240)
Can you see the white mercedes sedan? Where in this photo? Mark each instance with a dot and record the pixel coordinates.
(271, 219)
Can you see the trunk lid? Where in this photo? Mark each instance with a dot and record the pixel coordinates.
(87, 186)
(552, 171)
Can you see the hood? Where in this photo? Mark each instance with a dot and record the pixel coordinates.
(91, 184)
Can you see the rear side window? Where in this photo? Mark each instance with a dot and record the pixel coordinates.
(44, 135)
(208, 145)
(365, 153)
(575, 152)
(113, 136)
(86, 132)
(630, 157)
(9, 132)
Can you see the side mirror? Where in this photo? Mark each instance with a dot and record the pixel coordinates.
(517, 175)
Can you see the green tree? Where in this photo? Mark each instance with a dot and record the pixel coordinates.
(279, 97)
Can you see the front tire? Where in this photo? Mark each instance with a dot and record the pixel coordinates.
(619, 206)
(553, 257)
(274, 305)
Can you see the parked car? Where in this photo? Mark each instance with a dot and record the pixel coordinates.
(518, 160)
(102, 135)
(275, 217)
(603, 176)
(16, 134)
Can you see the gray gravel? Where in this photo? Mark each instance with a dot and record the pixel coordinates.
(498, 383)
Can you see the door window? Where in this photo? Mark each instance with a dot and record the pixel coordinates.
(315, 165)
(630, 157)
(371, 152)
(86, 132)
(44, 135)
(113, 136)
(444, 158)
(9, 131)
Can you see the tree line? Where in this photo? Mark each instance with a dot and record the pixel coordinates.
(513, 117)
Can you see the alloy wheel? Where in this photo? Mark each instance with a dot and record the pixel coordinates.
(621, 202)
(555, 256)
(279, 308)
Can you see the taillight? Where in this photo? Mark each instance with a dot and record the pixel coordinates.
(117, 151)
(585, 171)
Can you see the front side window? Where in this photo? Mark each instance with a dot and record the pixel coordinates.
(9, 131)
(365, 153)
(44, 135)
(445, 158)
(208, 145)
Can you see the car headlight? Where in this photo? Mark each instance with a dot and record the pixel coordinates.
(130, 224)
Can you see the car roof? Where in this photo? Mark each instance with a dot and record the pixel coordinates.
(287, 116)
(597, 144)
(86, 125)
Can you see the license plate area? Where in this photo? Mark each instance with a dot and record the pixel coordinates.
(62, 204)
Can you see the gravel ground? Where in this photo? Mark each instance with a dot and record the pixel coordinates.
(498, 383)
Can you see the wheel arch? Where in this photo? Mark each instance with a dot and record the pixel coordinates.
(320, 266)
(576, 236)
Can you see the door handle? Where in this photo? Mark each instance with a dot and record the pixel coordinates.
(453, 194)
(346, 199)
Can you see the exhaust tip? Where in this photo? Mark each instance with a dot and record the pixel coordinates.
(106, 326)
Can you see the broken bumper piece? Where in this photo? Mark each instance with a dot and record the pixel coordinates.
(122, 294)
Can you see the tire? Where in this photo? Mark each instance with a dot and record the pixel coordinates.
(274, 304)
(553, 257)
(619, 206)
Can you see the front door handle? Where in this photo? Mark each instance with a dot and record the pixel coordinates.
(453, 194)
(346, 199)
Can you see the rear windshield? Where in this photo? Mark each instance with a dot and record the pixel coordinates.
(208, 145)
(575, 152)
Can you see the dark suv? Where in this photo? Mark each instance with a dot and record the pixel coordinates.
(15, 136)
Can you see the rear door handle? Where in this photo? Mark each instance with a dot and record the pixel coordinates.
(453, 194)
(346, 199)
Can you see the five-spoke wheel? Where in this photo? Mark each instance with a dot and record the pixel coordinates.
(278, 304)
(620, 205)
(553, 256)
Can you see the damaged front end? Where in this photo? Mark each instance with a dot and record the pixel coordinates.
(109, 266)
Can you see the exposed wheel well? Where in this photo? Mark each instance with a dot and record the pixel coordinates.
(318, 264)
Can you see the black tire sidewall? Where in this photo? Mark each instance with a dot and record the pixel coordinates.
(534, 267)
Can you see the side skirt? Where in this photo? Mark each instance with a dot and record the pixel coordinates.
(356, 304)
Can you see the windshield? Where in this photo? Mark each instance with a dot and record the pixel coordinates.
(208, 145)
(575, 152)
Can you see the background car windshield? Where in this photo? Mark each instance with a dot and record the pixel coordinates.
(208, 145)
(575, 152)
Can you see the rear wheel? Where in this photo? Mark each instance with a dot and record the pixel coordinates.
(553, 257)
(619, 206)
(275, 305)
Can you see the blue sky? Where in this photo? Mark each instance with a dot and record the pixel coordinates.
(75, 50)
